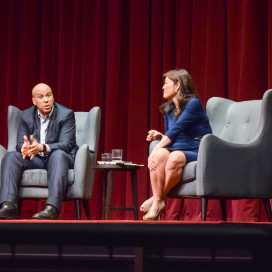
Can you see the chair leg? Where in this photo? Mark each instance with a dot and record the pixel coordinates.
(223, 205)
(78, 209)
(86, 208)
(204, 204)
(267, 206)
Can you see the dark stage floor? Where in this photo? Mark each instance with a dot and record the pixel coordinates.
(28, 245)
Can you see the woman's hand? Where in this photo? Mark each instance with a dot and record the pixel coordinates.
(151, 163)
(153, 135)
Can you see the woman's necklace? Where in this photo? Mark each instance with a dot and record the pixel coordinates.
(177, 110)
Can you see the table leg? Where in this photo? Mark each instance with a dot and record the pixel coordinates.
(104, 194)
(108, 194)
(134, 192)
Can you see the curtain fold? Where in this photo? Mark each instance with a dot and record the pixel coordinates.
(112, 54)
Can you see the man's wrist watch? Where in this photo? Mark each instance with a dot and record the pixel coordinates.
(44, 148)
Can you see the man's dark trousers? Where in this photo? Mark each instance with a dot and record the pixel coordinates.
(57, 165)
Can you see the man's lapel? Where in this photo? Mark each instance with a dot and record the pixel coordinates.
(37, 126)
(51, 123)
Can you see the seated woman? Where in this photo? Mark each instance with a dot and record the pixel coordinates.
(185, 120)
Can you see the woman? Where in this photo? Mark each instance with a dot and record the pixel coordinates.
(184, 119)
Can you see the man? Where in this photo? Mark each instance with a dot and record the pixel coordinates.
(45, 140)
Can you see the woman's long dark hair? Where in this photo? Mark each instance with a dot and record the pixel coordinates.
(185, 92)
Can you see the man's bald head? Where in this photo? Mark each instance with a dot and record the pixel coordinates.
(40, 86)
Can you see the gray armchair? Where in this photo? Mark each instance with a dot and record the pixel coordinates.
(235, 161)
(80, 179)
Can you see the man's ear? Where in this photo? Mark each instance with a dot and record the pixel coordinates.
(34, 101)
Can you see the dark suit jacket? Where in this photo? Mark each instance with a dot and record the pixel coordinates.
(61, 130)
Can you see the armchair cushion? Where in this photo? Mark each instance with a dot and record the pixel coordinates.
(38, 178)
(187, 189)
(234, 122)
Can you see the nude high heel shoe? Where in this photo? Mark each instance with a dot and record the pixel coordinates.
(154, 214)
(146, 205)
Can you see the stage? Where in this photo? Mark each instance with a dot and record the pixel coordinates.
(32, 245)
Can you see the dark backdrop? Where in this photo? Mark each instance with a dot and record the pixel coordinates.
(112, 53)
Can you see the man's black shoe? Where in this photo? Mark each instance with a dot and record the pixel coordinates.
(49, 212)
(8, 211)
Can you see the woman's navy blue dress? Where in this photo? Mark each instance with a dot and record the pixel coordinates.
(191, 123)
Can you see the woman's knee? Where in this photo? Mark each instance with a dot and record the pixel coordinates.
(176, 160)
(161, 155)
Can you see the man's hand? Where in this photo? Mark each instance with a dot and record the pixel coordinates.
(25, 147)
(34, 148)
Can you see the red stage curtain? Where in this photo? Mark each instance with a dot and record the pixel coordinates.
(112, 53)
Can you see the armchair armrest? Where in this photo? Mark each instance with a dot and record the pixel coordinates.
(94, 128)
(152, 145)
(3, 152)
(84, 173)
(234, 170)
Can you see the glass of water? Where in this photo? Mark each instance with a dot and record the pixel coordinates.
(106, 156)
(117, 154)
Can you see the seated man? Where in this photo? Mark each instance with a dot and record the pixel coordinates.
(46, 140)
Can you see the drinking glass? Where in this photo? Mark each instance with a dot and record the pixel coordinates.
(106, 156)
(117, 154)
